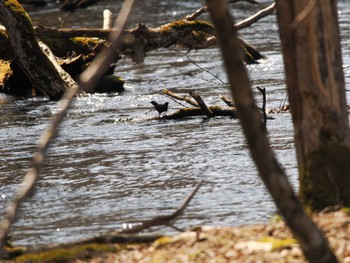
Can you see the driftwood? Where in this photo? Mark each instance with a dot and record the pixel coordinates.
(201, 109)
(227, 100)
(135, 43)
(138, 41)
(202, 104)
(180, 97)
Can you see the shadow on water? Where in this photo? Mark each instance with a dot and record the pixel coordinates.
(106, 169)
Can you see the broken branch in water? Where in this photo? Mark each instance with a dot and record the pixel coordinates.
(163, 220)
(198, 111)
(263, 108)
(202, 104)
(179, 97)
(227, 100)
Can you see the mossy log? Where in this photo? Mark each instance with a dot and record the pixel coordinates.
(13, 80)
(79, 46)
(33, 62)
(136, 42)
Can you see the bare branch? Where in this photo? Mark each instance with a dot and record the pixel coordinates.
(256, 17)
(179, 97)
(202, 104)
(204, 9)
(163, 220)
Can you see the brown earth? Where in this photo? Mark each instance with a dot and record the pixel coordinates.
(270, 243)
(256, 243)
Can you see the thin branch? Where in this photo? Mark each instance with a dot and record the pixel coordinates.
(256, 17)
(163, 220)
(87, 82)
(179, 97)
(200, 67)
(227, 100)
(202, 104)
(263, 108)
(204, 9)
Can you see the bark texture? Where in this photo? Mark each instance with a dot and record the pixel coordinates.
(311, 239)
(33, 62)
(311, 46)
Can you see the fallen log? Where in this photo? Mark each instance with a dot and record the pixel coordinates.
(191, 112)
(34, 63)
(136, 42)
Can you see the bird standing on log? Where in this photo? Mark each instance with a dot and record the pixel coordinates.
(160, 107)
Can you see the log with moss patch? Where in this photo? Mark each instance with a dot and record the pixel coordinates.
(73, 55)
(136, 42)
(32, 61)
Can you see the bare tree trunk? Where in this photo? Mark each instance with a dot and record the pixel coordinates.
(312, 57)
(34, 63)
(312, 241)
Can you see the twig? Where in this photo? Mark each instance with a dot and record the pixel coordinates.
(256, 17)
(202, 104)
(179, 97)
(244, 23)
(204, 9)
(263, 108)
(227, 100)
(200, 67)
(163, 220)
(87, 82)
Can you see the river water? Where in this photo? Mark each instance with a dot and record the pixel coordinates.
(112, 166)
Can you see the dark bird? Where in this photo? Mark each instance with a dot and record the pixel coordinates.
(160, 107)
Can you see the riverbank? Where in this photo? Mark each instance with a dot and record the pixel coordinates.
(272, 242)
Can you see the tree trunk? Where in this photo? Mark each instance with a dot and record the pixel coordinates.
(33, 62)
(315, 82)
(312, 241)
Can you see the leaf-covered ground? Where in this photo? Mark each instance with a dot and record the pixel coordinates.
(272, 242)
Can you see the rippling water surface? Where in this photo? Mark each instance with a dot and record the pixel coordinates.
(111, 165)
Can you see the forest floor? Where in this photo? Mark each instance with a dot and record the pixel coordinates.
(270, 242)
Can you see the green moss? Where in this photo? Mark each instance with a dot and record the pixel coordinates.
(16, 8)
(276, 219)
(346, 210)
(325, 177)
(196, 25)
(278, 243)
(78, 45)
(163, 241)
(66, 254)
(110, 83)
